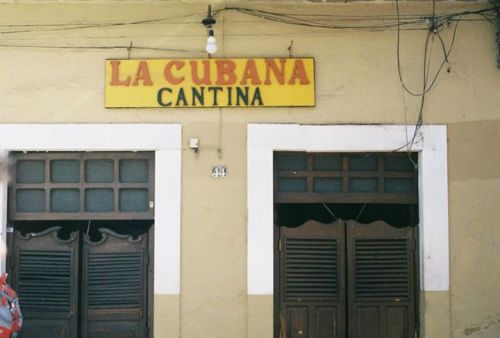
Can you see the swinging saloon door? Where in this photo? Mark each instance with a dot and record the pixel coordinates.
(45, 275)
(77, 288)
(381, 281)
(346, 280)
(114, 286)
(312, 281)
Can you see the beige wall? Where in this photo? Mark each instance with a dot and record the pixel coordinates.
(475, 239)
(356, 81)
(435, 314)
(166, 316)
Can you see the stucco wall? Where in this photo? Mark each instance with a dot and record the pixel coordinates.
(356, 83)
(475, 241)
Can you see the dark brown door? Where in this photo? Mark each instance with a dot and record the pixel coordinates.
(114, 293)
(346, 280)
(46, 279)
(312, 293)
(77, 288)
(381, 298)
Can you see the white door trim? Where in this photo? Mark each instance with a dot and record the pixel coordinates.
(263, 139)
(163, 139)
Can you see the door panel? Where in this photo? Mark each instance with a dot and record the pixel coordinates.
(325, 321)
(381, 280)
(373, 262)
(78, 288)
(397, 320)
(297, 318)
(46, 278)
(312, 292)
(114, 278)
(366, 322)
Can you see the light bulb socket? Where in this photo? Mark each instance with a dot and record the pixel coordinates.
(211, 46)
(209, 20)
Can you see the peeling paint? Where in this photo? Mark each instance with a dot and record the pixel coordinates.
(480, 327)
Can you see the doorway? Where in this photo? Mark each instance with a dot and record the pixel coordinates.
(80, 243)
(82, 281)
(345, 239)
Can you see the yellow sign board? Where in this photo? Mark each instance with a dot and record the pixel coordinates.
(186, 83)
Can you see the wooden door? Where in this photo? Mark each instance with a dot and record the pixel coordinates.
(381, 281)
(312, 280)
(77, 288)
(114, 290)
(45, 275)
(346, 280)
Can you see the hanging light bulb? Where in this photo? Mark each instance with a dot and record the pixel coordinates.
(211, 46)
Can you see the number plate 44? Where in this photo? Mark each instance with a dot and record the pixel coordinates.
(219, 171)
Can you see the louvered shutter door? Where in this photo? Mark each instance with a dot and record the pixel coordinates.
(312, 298)
(46, 279)
(381, 281)
(115, 280)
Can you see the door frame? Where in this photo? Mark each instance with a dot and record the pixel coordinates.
(163, 139)
(431, 145)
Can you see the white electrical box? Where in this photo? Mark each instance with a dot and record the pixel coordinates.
(194, 143)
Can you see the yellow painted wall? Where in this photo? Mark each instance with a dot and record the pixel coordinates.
(356, 82)
(166, 316)
(475, 239)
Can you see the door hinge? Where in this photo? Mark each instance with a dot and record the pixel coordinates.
(146, 258)
(279, 245)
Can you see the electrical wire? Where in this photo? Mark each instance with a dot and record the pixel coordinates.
(287, 18)
(398, 57)
(295, 19)
(410, 22)
(292, 20)
(335, 217)
(126, 47)
(361, 212)
(69, 27)
(434, 28)
(420, 119)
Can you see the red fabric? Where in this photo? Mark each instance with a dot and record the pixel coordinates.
(5, 332)
(16, 321)
(11, 293)
(15, 326)
(16, 317)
